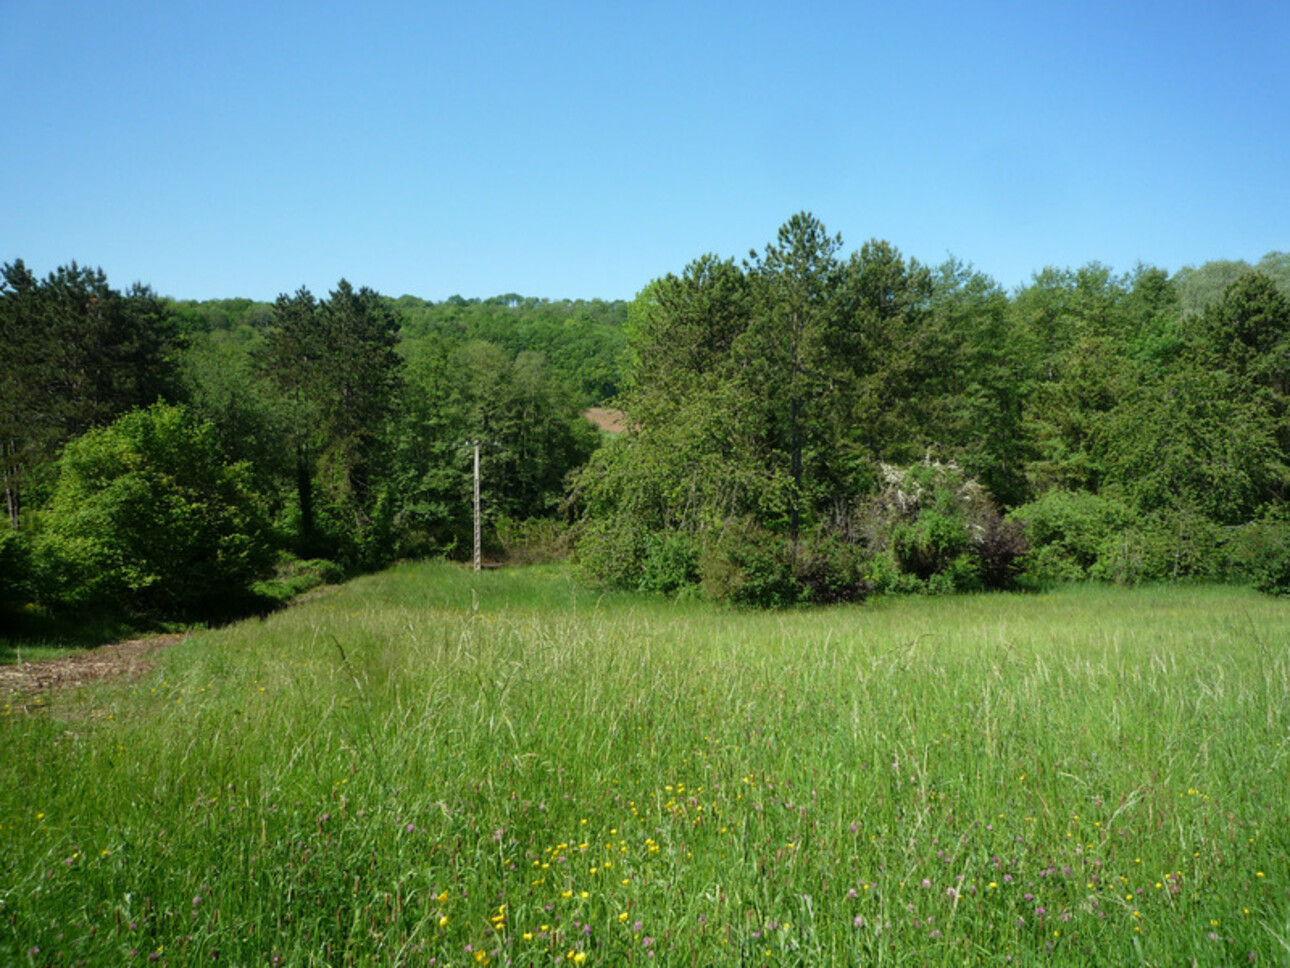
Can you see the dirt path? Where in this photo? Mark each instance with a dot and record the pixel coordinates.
(129, 658)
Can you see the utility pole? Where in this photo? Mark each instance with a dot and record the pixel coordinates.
(478, 543)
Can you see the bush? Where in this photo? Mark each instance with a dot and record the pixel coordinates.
(935, 529)
(1166, 546)
(1068, 532)
(145, 516)
(749, 566)
(925, 545)
(830, 570)
(294, 576)
(1260, 554)
(671, 562)
(534, 541)
(611, 554)
(1000, 547)
(15, 570)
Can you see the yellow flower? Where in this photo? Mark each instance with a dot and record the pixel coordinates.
(443, 921)
(623, 916)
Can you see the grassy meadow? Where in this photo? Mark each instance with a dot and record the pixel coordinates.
(428, 767)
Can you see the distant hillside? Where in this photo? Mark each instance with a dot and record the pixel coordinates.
(582, 340)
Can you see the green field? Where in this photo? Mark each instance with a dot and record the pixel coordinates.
(428, 767)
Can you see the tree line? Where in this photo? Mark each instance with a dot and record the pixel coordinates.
(173, 458)
(804, 423)
(809, 424)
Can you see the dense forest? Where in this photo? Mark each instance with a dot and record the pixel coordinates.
(802, 425)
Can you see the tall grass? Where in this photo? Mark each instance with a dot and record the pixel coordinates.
(433, 767)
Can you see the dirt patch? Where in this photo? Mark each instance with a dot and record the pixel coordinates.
(130, 658)
(607, 419)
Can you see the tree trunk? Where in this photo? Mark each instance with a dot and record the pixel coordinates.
(305, 490)
(12, 496)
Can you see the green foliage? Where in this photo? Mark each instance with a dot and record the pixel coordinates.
(1260, 554)
(609, 554)
(147, 517)
(671, 562)
(77, 353)
(1243, 329)
(933, 528)
(1068, 531)
(1199, 287)
(293, 576)
(1166, 545)
(15, 569)
(928, 543)
(582, 341)
(1197, 440)
(830, 570)
(747, 565)
(533, 541)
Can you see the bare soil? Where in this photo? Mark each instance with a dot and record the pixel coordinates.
(131, 658)
(606, 418)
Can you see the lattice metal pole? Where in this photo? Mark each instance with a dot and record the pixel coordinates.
(478, 543)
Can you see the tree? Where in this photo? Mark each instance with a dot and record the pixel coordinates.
(362, 372)
(795, 299)
(335, 365)
(145, 515)
(291, 359)
(1198, 441)
(78, 354)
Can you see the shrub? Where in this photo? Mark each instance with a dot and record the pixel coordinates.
(831, 570)
(935, 529)
(294, 576)
(15, 569)
(1000, 547)
(534, 541)
(749, 566)
(1259, 553)
(671, 562)
(1165, 546)
(925, 545)
(611, 554)
(146, 516)
(1068, 531)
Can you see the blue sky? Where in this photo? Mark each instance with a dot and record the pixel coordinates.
(577, 150)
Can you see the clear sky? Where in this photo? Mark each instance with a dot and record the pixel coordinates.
(577, 150)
